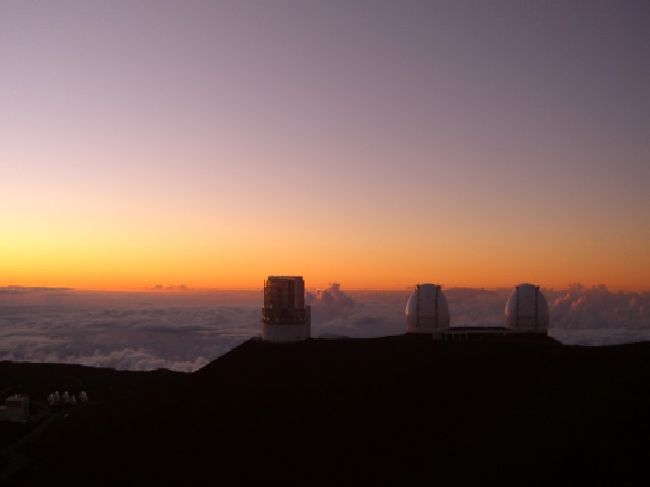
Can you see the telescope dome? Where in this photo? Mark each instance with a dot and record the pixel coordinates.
(527, 309)
(427, 310)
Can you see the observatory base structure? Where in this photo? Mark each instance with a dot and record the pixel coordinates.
(281, 333)
(489, 333)
(285, 318)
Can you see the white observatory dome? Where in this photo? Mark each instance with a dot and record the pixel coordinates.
(527, 309)
(427, 310)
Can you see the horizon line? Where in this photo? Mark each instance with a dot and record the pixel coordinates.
(182, 288)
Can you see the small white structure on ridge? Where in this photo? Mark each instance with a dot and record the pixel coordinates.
(427, 310)
(527, 309)
(16, 408)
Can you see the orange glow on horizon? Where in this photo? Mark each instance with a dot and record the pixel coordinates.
(215, 146)
(140, 268)
(117, 251)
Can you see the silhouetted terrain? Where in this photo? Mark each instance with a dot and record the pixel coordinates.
(384, 410)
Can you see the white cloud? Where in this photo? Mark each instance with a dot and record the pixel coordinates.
(356, 314)
(185, 330)
(133, 331)
(581, 307)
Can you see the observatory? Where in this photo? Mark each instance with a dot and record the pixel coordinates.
(427, 310)
(527, 310)
(526, 315)
(285, 318)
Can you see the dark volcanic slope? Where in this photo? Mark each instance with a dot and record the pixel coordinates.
(388, 409)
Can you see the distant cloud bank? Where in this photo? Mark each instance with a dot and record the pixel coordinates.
(598, 307)
(185, 330)
(15, 289)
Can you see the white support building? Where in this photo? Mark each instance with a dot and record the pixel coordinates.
(15, 409)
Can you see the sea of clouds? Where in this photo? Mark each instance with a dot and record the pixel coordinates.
(185, 329)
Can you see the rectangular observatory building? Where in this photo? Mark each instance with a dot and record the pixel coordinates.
(285, 318)
(16, 409)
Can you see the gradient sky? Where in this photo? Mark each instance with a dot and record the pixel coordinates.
(374, 143)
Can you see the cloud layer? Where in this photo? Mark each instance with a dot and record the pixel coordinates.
(126, 331)
(185, 330)
(597, 307)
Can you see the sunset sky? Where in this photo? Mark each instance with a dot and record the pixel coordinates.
(374, 143)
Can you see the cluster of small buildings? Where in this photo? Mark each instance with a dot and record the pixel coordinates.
(16, 407)
(66, 399)
(285, 318)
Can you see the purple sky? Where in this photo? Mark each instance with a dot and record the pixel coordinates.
(455, 128)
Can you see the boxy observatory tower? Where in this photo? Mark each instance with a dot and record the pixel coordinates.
(527, 310)
(427, 310)
(285, 318)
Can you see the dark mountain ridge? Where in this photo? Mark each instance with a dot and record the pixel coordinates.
(401, 409)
